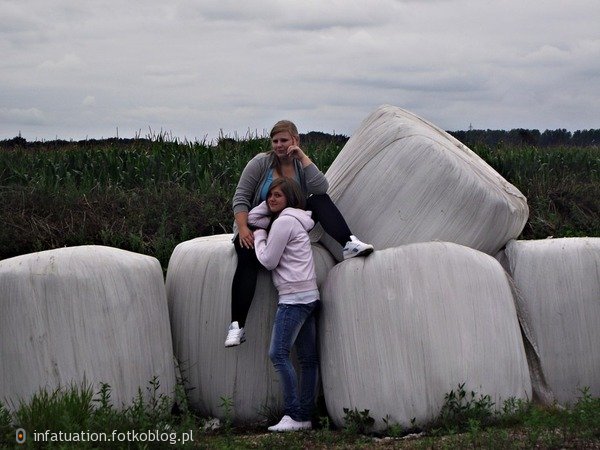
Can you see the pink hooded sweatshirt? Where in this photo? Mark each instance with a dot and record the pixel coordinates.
(286, 251)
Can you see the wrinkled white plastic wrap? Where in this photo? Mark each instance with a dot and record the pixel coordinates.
(406, 325)
(559, 285)
(399, 179)
(199, 293)
(84, 314)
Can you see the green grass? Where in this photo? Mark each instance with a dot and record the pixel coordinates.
(562, 186)
(467, 420)
(92, 421)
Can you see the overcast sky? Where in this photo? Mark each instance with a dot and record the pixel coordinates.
(74, 69)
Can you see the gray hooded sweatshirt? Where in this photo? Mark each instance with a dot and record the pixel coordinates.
(247, 192)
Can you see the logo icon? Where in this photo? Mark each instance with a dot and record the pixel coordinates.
(20, 435)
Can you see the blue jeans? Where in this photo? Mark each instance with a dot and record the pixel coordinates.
(296, 325)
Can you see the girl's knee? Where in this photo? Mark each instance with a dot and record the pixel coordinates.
(318, 199)
(278, 355)
(272, 355)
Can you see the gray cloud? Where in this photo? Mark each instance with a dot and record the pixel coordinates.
(195, 68)
(31, 116)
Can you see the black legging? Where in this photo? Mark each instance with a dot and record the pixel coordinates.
(243, 286)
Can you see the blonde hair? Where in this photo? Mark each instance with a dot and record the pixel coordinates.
(285, 125)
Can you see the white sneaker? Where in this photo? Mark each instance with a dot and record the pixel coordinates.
(354, 247)
(288, 424)
(235, 335)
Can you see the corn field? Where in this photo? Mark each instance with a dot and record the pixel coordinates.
(148, 195)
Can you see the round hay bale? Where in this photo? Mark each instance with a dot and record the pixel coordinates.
(399, 180)
(559, 286)
(84, 315)
(405, 326)
(199, 293)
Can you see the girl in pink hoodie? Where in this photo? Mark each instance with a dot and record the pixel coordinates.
(282, 245)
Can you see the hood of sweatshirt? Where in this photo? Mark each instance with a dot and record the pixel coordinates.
(302, 216)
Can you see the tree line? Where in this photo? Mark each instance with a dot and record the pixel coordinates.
(535, 138)
(490, 138)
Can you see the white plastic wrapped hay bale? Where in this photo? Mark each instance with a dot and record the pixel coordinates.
(407, 325)
(399, 180)
(199, 293)
(559, 285)
(84, 314)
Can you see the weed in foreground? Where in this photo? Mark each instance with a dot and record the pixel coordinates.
(227, 407)
(585, 415)
(358, 422)
(7, 433)
(270, 412)
(66, 409)
(463, 411)
(393, 429)
(324, 432)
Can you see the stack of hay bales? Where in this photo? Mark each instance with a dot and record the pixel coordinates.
(400, 328)
(406, 325)
(88, 314)
(399, 180)
(199, 291)
(559, 302)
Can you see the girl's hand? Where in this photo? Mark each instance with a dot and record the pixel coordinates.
(294, 151)
(246, 237)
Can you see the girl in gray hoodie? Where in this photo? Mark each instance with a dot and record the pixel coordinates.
(282, 245)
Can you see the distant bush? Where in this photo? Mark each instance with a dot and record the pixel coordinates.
(521, 136)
